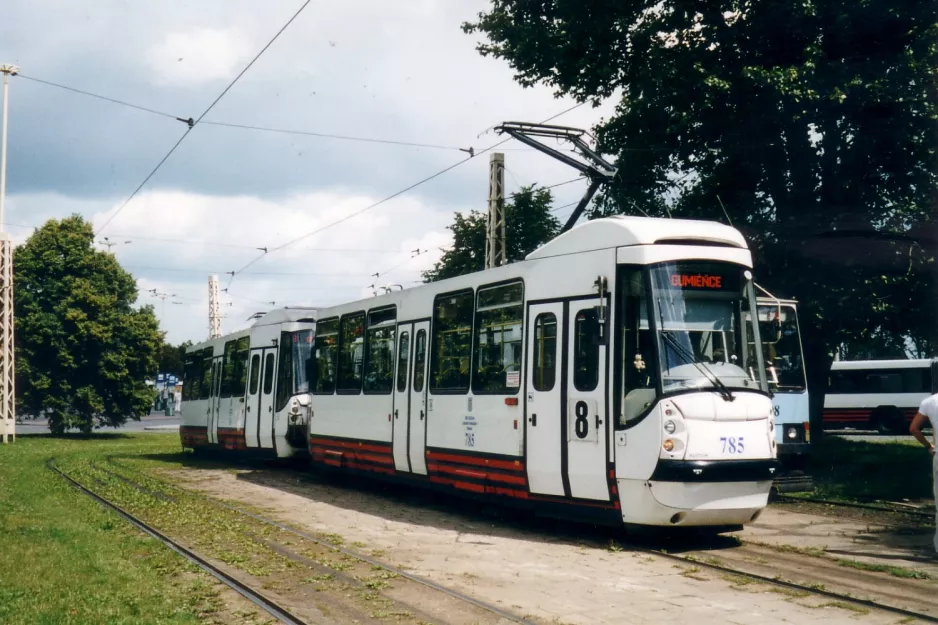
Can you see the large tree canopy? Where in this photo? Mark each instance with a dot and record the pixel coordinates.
(529, 224)
(83, 352)
(811, 125)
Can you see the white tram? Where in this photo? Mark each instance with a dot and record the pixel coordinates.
(612, 375)
(248, 390)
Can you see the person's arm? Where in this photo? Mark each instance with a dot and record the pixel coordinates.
(916, 431)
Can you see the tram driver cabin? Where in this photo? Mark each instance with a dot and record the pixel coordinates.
(612, 375)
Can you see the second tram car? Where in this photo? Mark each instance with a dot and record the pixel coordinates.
(611, 375)
(784, 361)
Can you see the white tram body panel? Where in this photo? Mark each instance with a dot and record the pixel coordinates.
(240, 392)
(612, 375)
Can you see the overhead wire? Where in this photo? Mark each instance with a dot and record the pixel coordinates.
(100, 97)
(334, 136)
(192, 123)
(388, 198)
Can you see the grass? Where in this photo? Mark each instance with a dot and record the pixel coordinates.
(895, 571)
(862, 471)
(66, 559)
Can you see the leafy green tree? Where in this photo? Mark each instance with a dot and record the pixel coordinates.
(171, 358)
(529, 224)
(810, 124)
(83, 352)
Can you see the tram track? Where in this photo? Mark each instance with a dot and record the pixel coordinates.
(252, 595)
(855, 506)
(776, 569)
(500, 614)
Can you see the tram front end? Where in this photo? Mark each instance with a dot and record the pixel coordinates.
(695, 441)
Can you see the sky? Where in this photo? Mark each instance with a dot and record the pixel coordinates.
(396, 71)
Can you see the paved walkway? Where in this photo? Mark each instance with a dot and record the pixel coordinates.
(909, 547)
(553, 578)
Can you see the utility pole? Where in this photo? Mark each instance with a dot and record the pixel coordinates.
(7, 370)
(214, 316)
(496, 253)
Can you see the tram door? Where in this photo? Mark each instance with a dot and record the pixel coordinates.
(252, 403)
(585, 405)
(265, 398)
(418, 399)
(214, 400)
(402, 408)
(543, 428)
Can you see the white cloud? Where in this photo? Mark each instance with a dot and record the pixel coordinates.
(198, 56)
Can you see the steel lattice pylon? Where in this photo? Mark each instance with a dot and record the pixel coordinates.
(7, 367)
(214, 316)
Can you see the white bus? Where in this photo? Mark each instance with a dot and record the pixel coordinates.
(880, 395)
(611, 376)
(784, 361)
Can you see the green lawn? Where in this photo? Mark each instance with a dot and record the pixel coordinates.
(64, 559)
(863, 471)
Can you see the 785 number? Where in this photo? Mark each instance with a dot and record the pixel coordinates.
(732, 445)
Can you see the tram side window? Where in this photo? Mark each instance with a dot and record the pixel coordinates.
(190, 387)
(420, 360)
(451, 348)
(240, 376)
(255, 373)
(638, 355)
(497, 341)
(586, 351)
(324, 356)
(403, 353)
(268, 373)
(284, 372)
(228, 370)
(351, 351)
(379, 351)
(205, 387)
(544, 352)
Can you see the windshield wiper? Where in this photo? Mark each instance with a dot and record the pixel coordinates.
(689, 358)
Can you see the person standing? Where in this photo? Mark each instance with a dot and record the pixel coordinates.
(928, 411)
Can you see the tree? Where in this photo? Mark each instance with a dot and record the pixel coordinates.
(83, 352)
(171, 358)
(529, 224)
(811, 125)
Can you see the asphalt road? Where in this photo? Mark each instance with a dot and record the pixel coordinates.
(152, 422)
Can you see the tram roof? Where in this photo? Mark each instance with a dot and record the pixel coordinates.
(286, 315)
(621, 231)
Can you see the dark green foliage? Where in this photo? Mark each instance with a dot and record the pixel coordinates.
(82, 350)
(528, 225)
(812, 122)
(172, 357)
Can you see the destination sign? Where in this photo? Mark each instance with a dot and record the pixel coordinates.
(696, 281)
(716, 281)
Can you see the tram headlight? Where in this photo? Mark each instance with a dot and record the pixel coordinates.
(668, 444)
(792, 433)
(669, 426)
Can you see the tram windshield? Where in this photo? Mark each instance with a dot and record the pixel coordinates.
(703, 312)
(781, 347)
